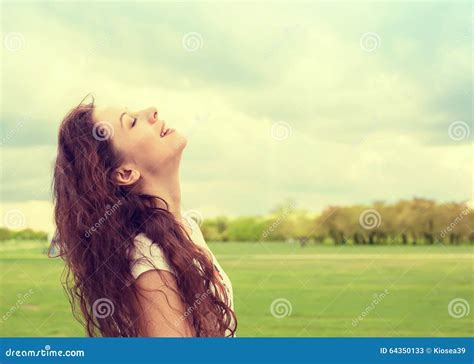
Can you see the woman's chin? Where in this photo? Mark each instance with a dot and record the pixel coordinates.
(179, 141)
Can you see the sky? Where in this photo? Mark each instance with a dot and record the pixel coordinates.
(322, 103)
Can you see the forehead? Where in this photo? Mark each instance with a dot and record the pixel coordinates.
(107, 113)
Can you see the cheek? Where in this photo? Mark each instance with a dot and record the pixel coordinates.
(152, 152)
(149, 149)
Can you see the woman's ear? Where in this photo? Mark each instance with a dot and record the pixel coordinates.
(126, 175)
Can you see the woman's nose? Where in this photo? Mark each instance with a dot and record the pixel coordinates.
(152, 114)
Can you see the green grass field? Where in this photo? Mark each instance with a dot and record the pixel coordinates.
(315, 290)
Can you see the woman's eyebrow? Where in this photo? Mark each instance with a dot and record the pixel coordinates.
(121, 117)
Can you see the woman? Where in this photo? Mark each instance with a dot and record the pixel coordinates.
(134, 264)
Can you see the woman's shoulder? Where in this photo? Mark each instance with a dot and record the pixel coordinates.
(196, 233)
(146, 255)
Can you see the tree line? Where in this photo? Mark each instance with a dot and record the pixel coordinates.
(410, 222)
(25, 234)
(415, 221)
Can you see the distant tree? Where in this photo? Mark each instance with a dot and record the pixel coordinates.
(415, 221)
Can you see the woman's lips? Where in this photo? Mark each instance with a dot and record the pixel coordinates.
(167, 132)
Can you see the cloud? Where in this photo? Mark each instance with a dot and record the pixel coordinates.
(36, 215)
(364, 124)
(27, 173)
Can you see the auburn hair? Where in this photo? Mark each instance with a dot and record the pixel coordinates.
(96, 224)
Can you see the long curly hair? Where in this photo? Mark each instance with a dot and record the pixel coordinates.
(96, 223)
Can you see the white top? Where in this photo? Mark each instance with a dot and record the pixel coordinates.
(153, 252)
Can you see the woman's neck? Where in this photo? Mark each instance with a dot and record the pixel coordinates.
(168, 187)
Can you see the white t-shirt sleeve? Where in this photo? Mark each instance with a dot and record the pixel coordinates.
(147, 256)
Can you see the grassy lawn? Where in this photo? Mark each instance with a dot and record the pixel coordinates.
(313, 291)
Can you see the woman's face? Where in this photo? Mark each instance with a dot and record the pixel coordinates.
(145, 143)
